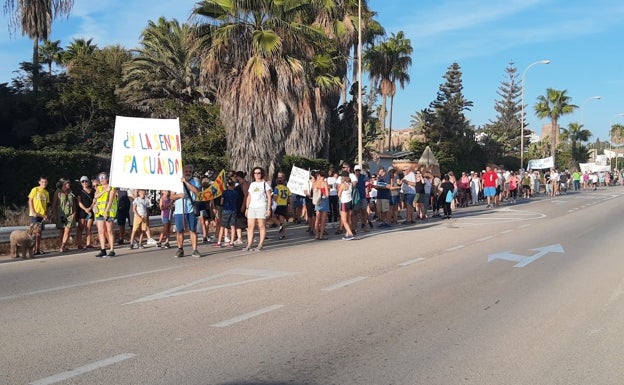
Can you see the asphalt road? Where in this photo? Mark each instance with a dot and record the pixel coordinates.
(524, 294)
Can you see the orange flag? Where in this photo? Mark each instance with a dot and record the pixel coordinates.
(215, 189)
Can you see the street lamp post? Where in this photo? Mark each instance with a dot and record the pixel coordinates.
(583, 109)
(359, 75)
(522, 113)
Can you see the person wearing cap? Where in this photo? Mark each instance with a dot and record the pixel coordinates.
(85, 200)
(394, 196)
(64, 211)
(359, 180)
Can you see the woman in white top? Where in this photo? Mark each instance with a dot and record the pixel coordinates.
(346, 206)
(257, 207)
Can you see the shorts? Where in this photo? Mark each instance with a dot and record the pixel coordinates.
(281, 211)
(228, 219)
(383, 205)
(101, 218)
(256, 213)
(38, 220)
(188, 219)
(409, 199)
(299, 201)
(346, 207)
(122, 217)
(394, 200)
(489, 191)
(420, 197)
(139, 223)
(323, 205)
(362, 205)
(165, 220)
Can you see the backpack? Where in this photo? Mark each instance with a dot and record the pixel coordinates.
(355, 196)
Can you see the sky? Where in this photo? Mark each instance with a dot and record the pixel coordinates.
(582, 39)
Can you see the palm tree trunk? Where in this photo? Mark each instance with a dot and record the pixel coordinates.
(35, 62)
(390, 123)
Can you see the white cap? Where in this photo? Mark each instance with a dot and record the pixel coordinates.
(84, 179)
(357, 167)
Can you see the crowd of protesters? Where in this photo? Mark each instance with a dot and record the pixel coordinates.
(342, 201)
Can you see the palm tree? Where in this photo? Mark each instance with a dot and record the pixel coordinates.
(165, 68)
(553, 105)
(34, 18)
(575, 133)
(616, 134)
(50, 53)
(388, 64)
(78, 47)
(271, 69)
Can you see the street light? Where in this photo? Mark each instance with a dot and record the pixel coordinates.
(359, 75)
(522, 113)
(583, 110)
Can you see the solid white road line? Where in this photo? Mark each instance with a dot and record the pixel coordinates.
(247, 316)
(343, 284)
(83, 369)
(484, 238)
(411, 261)
(456, 248)
(506, 231)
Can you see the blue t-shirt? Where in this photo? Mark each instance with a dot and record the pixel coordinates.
(230, 198)
(383, 193)
(184, 205)
(361, 185)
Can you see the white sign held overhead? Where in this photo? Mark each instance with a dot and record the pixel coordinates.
(299, 181)
(540, 164)
(147, 154)
(522, 260)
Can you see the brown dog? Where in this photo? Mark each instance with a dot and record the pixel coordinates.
(23, 241)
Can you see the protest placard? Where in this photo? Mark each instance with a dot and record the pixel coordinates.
(298, 181)
(147, 154)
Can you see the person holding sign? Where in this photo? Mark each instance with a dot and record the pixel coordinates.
(183, 216)
(257, 208)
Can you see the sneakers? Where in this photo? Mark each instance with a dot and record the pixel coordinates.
(211, 239)
(141, 246)
(238, 242)
(196, 253)
(151, 241)
(159, 245)
(111, 254)
(247, 248)
(132, 247)
(166, 246)
(347, 238)
(226, 239)
(204, 240)
(101, 254)
(216, 245)
(179, 253)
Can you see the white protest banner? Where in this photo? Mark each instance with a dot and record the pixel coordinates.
(540, 164)
(298, 181)
(147, 154)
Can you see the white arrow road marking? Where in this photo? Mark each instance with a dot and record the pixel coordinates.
(259, 275)
(521, 260)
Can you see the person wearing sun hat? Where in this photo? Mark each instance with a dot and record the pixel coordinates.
(85, 213)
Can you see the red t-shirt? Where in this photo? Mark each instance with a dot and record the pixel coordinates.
(489, 179)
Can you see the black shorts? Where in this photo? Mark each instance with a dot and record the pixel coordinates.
(281, 211)
(122, 217)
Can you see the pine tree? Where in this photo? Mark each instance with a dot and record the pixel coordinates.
(504, 133)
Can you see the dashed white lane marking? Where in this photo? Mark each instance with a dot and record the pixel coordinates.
(456, 248)
(411, 261)
(506, 231)
(83, 369)
(247, 316)
(484, 238)
(344, 283)
(523, 226)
